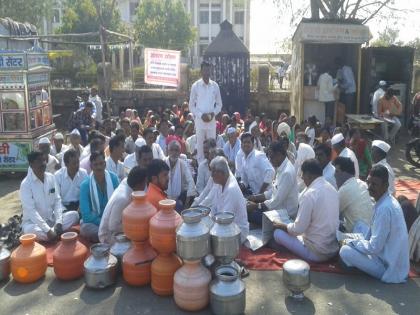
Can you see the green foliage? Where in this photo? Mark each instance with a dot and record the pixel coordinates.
(31, 11)
(388, 37)
(80, 16)
(164, 24)
(415, 43)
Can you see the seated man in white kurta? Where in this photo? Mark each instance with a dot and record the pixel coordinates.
(227, 196)
(41, 203)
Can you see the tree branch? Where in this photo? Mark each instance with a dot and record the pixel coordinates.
(376, 11)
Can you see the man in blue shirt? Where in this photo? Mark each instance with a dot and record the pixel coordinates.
(383, 253)
(95, 191)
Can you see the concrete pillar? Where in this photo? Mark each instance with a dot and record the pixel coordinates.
(121, 55)
(184, 74)
(263, 78)
(113, 61)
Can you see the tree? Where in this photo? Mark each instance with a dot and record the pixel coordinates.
(81, 16)
(363, 10)
(164, 24)
(32, 11)
(415, 43)
(388, 37)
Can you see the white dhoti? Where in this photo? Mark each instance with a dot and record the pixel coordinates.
(206, 132)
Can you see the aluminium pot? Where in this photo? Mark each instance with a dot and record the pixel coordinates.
(4, 263)
(225, 237)
(206, 218)
(296, 277)
(120, 247)
(100, 267)
(227, 292)
(192, 236)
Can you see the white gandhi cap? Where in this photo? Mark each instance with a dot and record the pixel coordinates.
(381, 145)
(337, 138)
(140, 142)
(44, 140)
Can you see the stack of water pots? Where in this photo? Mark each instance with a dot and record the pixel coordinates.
(192, 287)
(191, 282)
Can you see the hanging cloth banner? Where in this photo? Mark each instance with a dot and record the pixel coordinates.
(162, 67)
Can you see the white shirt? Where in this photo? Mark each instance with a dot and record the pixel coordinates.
(304, 152)
(157, 151)
(284, 193)
(187, 182)
(130, 145)
(111, 221)
(256, 170)
(231, 199)
(40, 201)
(348, 153)
(230, 151)
(116, 168)
(203, 175)
(326, 88)
(310, 132)
(317, 219)
(96, 100)
(205, 98)
(86, 152)
(206, 196)
(130, 161)
(391, 176)
(329, 174)
(347, 77)
(69, 189)
(60, 154)
(355, 203)
(52, 162)
(161, 140)
(220, 142)
(375, 100)
(191, 144)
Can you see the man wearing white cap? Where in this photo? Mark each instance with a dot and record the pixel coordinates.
(52, 163)
(205, 103)
(256, 132)
(304, 152)
(134, 159)
(376, 96)
(379, 152)
(75, 142)
(339, 145)
(232, 146)
(58, 147)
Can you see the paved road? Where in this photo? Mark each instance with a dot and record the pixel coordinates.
(329, 294)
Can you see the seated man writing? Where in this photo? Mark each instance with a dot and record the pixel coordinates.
(111, 222)
(41, 203)
(383, 253)
(284, 191)
(356, 206)
(313, 234)
(95, 192)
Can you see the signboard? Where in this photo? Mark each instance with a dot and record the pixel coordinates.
(38, 79)
(162, 67)
(13, 155)
(35, 60)
(11, 81)
(12, 61)
(332, 33)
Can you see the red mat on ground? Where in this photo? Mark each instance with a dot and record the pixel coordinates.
(268, 259)
(408, 188)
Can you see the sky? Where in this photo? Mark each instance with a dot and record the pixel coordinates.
(269, 30)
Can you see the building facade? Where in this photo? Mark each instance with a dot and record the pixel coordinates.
(206, 15)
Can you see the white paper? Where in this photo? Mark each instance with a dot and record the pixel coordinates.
(343, 236)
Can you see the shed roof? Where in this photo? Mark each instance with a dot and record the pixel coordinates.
(226, 42)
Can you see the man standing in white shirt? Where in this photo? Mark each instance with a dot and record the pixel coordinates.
(68, 180)
(111, 221)
(41, 203)
(96, 100)
(339, 145)
(380, 151)
(326, 94)
(347, 83)
(52, 162)
(323, 154)
(312, 236)
(377, 96)
(256, 171)
(205, 103)
(150, 139)
(284, 192)
(113, 162)
(227, 196)
(356, 206)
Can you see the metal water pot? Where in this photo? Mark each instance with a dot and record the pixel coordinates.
(206, 218)
(121, 246)
(100, 267)
(296, 277)
(227, 292)
(192, 236)
(225, 237)
(4, 263)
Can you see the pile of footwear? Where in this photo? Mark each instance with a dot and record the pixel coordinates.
(11, 231)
